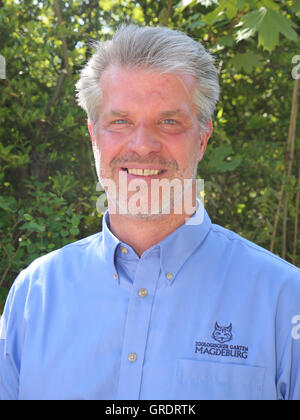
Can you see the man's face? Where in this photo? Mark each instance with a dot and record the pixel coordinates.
(147, 128)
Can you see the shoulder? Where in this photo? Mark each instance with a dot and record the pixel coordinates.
(256, 272)
(60, 261)
(252, 250)
(71, 250)
(55, 274)
(254, 262)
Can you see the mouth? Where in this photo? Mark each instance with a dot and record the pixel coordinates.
(144, 172)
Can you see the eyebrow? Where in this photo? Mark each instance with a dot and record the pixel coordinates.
(173, 113)
(169, 113)
(117, 113)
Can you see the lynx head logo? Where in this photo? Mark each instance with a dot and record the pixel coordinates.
(222, 334)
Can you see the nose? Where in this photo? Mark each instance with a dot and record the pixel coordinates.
(144, 141)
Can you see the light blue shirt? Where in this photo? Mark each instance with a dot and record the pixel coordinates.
(204, 314)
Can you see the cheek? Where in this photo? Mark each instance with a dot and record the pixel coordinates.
(108, 146)
(187, 151)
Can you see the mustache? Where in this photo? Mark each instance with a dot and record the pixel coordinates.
(151, 158)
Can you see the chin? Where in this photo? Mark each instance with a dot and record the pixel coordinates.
(147, 214)
(145, 217)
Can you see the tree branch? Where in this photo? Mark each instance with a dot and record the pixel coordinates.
(169, 15)
(287, 173)
(296, 216)
(57, 90)
(290, 154)
(63, 38)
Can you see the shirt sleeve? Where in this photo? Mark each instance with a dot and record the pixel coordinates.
(288, 341)
(11, 333)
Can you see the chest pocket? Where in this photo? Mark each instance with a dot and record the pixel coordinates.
(203, 380)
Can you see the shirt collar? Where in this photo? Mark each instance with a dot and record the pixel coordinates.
(180, 244)
(109, 244)
(175, 248)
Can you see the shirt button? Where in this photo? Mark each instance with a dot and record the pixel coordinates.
(143, 292)
(169, 276)
(115, 275)
(124, 250)
(132, 357)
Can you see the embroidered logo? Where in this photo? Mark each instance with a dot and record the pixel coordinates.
(222, 335)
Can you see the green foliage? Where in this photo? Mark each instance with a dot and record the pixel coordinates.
(216, 158)
(246, 61)
(268, 24)
(47, 176)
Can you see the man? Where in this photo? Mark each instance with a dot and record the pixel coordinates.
(162, 304)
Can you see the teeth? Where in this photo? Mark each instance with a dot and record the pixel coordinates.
(144, 172)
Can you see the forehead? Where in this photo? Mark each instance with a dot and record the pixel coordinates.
(121, 86)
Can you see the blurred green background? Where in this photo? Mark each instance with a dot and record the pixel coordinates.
(47, 175)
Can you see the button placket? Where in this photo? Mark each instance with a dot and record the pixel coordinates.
(136, 328)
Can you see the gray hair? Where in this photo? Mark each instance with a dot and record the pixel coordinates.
(154, 48)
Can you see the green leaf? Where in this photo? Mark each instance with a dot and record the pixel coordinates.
(196, 24)
(284, 25)
(296, 6)
(68, 121)
(269, 4)
(8, 204)
(268, 23)
(207, 3)
(250, 24)
(74, 231)
(247, 61)
(217, 159)
(76, 220)
(33, 227)
(5, 151)
(226, 41)
(230, 8)
(268, 34)
(3, 293)
(163, 17)
(183, 3)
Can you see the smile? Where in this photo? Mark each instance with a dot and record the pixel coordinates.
(143, 172)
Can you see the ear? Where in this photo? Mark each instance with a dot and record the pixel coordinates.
(91, 127)
(204, 139)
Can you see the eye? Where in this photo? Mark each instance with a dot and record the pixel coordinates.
(168, 125)
(169, 122)
(120, 121)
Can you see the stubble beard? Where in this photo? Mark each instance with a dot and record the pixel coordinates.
(167, 203)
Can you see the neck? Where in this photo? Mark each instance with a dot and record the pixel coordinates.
(142, 234)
